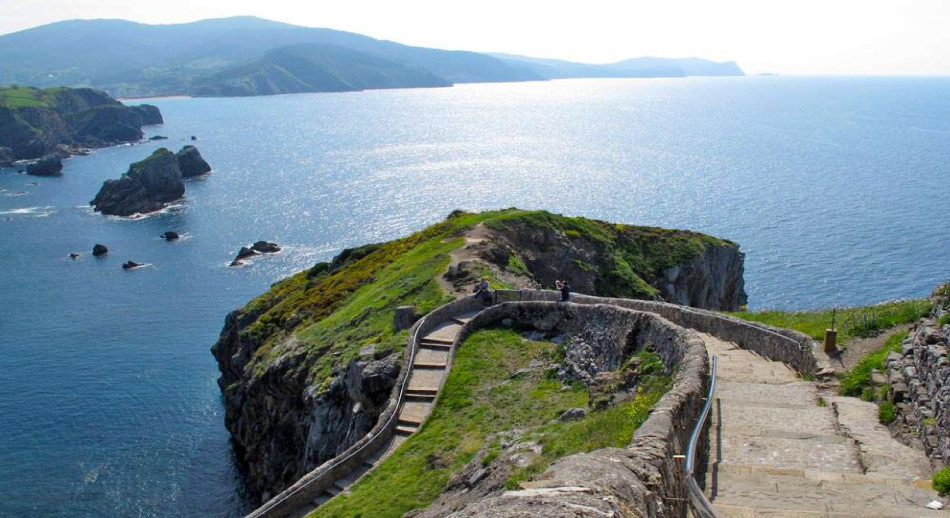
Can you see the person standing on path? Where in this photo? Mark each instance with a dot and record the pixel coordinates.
(565, 288)
(483, 291)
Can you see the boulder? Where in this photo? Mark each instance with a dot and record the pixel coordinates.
(6, 157)
(147, 186)
(50, 165)
(191, 163)
(128, 265)
(74, 256)
(265, 247)
(99, 250)
(572, 414)
(170, 236)
(194, 138)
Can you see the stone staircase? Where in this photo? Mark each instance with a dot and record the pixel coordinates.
(780, 448)
(429, 370)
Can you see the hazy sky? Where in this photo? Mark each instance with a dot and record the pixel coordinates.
(786, 36)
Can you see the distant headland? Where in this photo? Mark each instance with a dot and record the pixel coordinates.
(244, 56)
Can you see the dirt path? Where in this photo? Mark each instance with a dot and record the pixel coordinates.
(854, 350)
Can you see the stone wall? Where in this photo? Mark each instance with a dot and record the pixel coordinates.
(919, 384)
(646, 479)
(795, 349)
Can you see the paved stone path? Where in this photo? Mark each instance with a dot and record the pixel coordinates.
(429, 370)
(782, 449)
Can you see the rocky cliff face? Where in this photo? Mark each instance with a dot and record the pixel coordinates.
(919, 381)
(34, 122)
(307, 367)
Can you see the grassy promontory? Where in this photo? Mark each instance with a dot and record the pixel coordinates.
(334, 309)
(308, 366)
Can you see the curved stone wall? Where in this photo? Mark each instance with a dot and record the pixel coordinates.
(646, 479)
(795, 349)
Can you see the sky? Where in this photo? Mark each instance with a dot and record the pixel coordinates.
(808, 37)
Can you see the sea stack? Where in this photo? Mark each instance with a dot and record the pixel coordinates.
(99, 250)
(148, 186)
(50, 165)
(191, 163)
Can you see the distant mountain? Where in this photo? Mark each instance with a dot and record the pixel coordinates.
(252, 56)
(315, 68)
(636, 67)
(210, 56)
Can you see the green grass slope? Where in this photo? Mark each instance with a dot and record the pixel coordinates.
(850, 322)
(334, 309)
(480, 400)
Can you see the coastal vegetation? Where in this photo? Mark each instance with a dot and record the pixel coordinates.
(857, 381)
(483, 404)
(36, 122)
(306, 346)
(858, 321)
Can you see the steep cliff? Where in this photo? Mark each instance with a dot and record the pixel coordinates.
(35, 122)
(307, 367)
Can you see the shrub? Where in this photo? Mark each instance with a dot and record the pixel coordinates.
(944, 320)
(942, 481)
(887, 413)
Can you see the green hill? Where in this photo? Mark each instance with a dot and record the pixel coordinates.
(34, 122)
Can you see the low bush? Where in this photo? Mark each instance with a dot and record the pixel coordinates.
(942, 481)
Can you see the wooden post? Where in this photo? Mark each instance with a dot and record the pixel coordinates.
(831, 339)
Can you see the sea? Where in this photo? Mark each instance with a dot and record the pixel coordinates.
(836, 188)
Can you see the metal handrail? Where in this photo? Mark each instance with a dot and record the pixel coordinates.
(701, 505)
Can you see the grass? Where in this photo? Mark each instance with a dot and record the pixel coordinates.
(24, 97)
(857, 381)
(944, 320)
(941, 481)
(813, 323)
(330, 312)
(636, 257)
(886, 412)
(480, 400)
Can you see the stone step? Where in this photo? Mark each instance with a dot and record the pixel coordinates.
(443, 332)
(799, 451)
(409, 421)
(432, 356)
(436, 343)
(322, 499)
(821, 476)
(429, 365)
(333, 490)
(733, 511)
(830, 495)
(405, 431)
(809, 419)
(792, 393)
(422, 392)
(415, 411)
(425, 379)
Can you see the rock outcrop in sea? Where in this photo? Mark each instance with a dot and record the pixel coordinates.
(307, 367)
(40, 121)
(6, 157)
(99, 250)
(149, 185)
(49, 165)
(191, 163)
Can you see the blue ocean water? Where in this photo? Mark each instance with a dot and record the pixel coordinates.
(836, 188)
